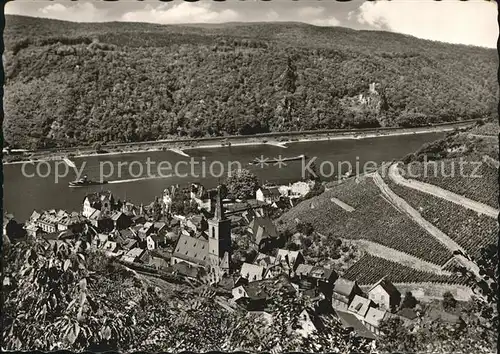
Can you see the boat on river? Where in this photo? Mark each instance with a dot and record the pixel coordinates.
(85, 181)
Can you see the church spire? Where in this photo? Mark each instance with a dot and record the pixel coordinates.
(219, 207)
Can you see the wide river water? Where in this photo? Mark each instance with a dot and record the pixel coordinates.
(25, 192)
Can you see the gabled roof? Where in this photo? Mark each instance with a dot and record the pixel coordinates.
(344, 287)
(159, 225)
(127, 233)
(110, 246)
(282, 255)
(359, 305)
(264, 258)
(348, 320)
(96, 215)
(192, 249)
(135, 252)
(252, 272)
(303, 269)
(262, 228)
(35, 215)
(322, 273)
(116, 215)
(270, 191)
(388, 287)
(375, 316)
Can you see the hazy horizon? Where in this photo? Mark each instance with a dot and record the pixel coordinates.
(445, 21)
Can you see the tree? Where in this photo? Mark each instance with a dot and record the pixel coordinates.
(242, 184)
(305, 228)
(409, 301)
(395, 337)
(486, 285)
(449, 301)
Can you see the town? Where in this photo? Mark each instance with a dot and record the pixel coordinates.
(207, 236)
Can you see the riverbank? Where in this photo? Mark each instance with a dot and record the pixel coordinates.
(183, 146)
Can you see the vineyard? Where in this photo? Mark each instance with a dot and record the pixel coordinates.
(469, 229)
(370, 269)
(373, 219)
(479, 183)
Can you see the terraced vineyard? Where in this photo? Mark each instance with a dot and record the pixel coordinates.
(370, 269)
(466, 227)
(479, 184)
(373, 219)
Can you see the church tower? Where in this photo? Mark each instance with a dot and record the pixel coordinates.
(219, 237)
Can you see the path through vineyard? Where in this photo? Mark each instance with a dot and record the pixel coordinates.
(481, 208)
(405, 208)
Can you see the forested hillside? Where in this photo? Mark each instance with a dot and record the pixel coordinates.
(71, 84)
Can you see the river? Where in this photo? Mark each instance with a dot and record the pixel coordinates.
(23, 194)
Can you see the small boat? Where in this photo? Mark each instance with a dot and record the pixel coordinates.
(83, 182)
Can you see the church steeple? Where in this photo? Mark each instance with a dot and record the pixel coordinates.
(219, 207)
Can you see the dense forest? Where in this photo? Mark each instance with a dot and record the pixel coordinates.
(73, 84)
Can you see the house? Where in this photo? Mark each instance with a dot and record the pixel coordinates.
(101, 222)
(188, 271)
(344, 292)
(202, 197)
(252, 298)
(129, 244)
(136, 255)
(160, 228)
(359, 306)
(127, 233)
(191, 250)
(374, 317)
(349, 321)
(254, 295)
(290, 260)
(121, 220)
(102, 201)
(264, 233)
(227, 283)
(269, 195)
(385, 294)
(197, 223)
(48, 221)
(317, 277)
(111, 247)
(152, 241)
(32, 231)
(100, 240)
(145, 230)
(138, 219)
(73, 222)
(264, 260)
(252, 272)
(158, 263)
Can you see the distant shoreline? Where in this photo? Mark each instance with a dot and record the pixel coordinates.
(210, 143)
